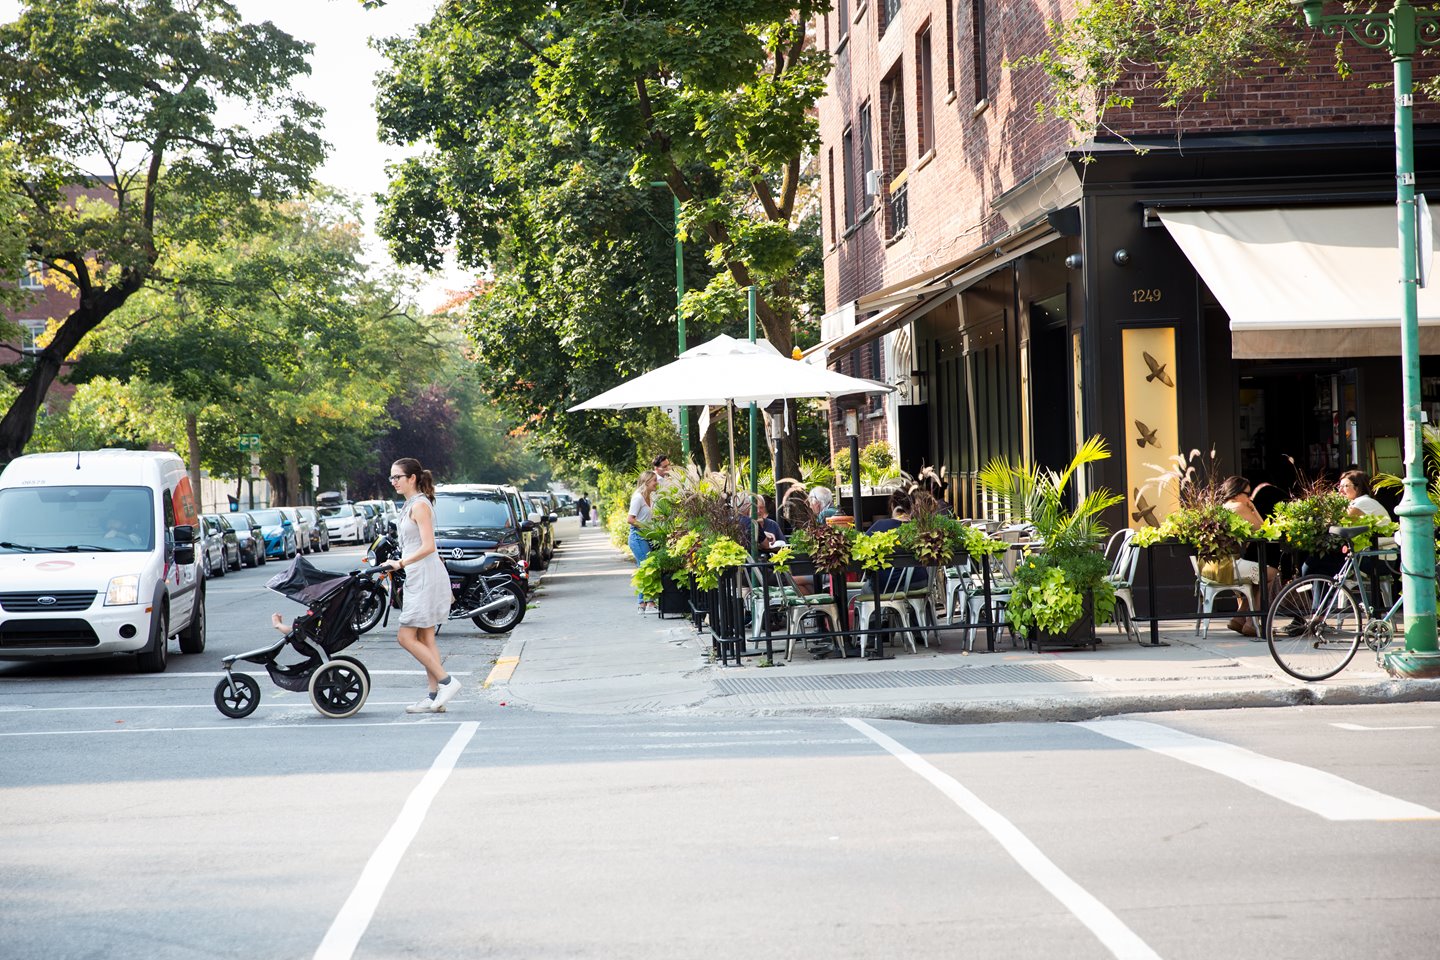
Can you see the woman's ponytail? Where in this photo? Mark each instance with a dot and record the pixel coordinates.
(426, 485)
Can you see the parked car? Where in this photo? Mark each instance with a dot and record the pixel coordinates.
(529, 525)
(372, 519)
(319, 533)
(344, 522)
(280, 533)
(248, 535)
(129, 597)
(543, 503)
(211, 547)
(302, 528)
(230, 541)
(473, 519)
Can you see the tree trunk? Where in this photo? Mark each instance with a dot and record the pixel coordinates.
(711, 447)
(192, 440)
(279, 489)
(292, 481)
(18, 424)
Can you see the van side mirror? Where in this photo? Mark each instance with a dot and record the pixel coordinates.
(553, 517)
(393, 530)
(184, 533)
(527, 525)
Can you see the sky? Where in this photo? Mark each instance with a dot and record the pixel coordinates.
(343, 68)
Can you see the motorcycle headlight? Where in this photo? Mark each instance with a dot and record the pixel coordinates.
(123, 590)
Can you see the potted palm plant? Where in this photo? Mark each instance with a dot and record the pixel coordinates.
(1060, 589)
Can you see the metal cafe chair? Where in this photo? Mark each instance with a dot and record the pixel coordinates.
(1210, 590)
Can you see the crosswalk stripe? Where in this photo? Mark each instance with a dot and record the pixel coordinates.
(1110, 930)
(1332, 797)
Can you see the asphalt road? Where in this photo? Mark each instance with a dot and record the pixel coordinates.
(137, 822)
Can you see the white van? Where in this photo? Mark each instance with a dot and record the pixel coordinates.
(97, 557)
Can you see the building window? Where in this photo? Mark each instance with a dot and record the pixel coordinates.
(979, 58)
(925, 84)
(34, 276)
(949, 47)
(842, 21)
(867, 156)
(847, 174)
(830, 200)
(889, 10)
(892, 150)
(30, 331)
(877, 400)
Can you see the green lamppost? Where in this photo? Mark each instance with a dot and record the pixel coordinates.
(1401, 31)
(679, 315)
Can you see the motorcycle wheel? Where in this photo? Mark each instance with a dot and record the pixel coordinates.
(503, 619)
(370, 608)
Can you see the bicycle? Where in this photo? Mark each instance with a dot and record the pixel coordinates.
(1316, 623)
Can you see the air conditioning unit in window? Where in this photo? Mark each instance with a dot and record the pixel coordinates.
(872, 183)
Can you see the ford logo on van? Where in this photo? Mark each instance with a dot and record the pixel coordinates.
(46, 601)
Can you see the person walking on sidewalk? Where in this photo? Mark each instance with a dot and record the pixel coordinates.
(640, 514)
(582, 507)
(427, 584)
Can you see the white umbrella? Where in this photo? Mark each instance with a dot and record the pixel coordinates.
(727, 371)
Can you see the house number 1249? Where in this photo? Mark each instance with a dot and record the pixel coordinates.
(1145, 296)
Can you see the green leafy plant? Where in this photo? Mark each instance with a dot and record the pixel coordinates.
(781, 558)
(722, 553)
(1431, 440)
(648, 579)
(1072, 539)
(828, 546)
(1303, 524)
(874, 550)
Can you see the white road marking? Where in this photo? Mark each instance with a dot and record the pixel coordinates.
(237, 725)
(1120, 940)
(117, 707)
(1361, 726)
(240, 667)
(354, 917)
(1332, 797)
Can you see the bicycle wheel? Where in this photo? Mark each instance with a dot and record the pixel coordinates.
(1313, 628)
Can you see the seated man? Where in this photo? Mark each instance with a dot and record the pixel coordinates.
(769, 530)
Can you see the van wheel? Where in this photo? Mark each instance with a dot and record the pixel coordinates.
(154, 657)
(192, 638)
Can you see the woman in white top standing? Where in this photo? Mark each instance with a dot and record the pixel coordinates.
(639, 514)
(427, 584)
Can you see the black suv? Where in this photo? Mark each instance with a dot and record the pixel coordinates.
(473, 519)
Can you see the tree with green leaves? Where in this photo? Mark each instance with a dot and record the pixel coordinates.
(1111, 52)
(135, 87)
(283, 330)
(540, 116)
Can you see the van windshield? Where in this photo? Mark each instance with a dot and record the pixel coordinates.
(120, 519)
(471, 510)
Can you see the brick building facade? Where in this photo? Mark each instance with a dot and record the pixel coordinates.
(1019, 290)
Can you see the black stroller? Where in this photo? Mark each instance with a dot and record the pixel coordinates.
(337, 684)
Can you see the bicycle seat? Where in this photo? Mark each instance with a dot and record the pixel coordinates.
(1348, 533)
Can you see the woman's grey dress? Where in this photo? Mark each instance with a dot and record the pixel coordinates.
(427, 584)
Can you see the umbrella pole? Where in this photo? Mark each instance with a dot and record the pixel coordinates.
(730, 423)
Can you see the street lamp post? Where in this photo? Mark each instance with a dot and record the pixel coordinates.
(679, 315)
(1401, 31)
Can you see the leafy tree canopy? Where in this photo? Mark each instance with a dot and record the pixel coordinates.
(547, 125)
(1112, 51)
(111, 108)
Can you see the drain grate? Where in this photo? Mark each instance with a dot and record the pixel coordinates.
(879, 680)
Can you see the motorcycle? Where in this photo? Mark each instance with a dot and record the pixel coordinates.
(489, 591)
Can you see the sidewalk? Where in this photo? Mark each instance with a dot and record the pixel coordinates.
(585, 649)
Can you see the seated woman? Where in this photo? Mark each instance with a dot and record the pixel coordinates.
(900, 507)
(1355, 484)
(1236, 494)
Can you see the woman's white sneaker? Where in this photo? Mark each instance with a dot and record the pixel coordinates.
(446, 692)
(425, 704)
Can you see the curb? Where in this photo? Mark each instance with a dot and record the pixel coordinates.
(1062, 708)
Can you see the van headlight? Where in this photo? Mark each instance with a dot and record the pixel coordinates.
(123, 590)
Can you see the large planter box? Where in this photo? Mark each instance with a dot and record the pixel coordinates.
(1080, 634)
(674, 600)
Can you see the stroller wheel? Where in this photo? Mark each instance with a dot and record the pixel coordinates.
(356, 663)
(338, 688)
(237, 696)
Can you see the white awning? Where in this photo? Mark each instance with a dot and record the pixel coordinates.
(1305, 281)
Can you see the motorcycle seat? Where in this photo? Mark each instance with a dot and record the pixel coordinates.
(466, 567)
